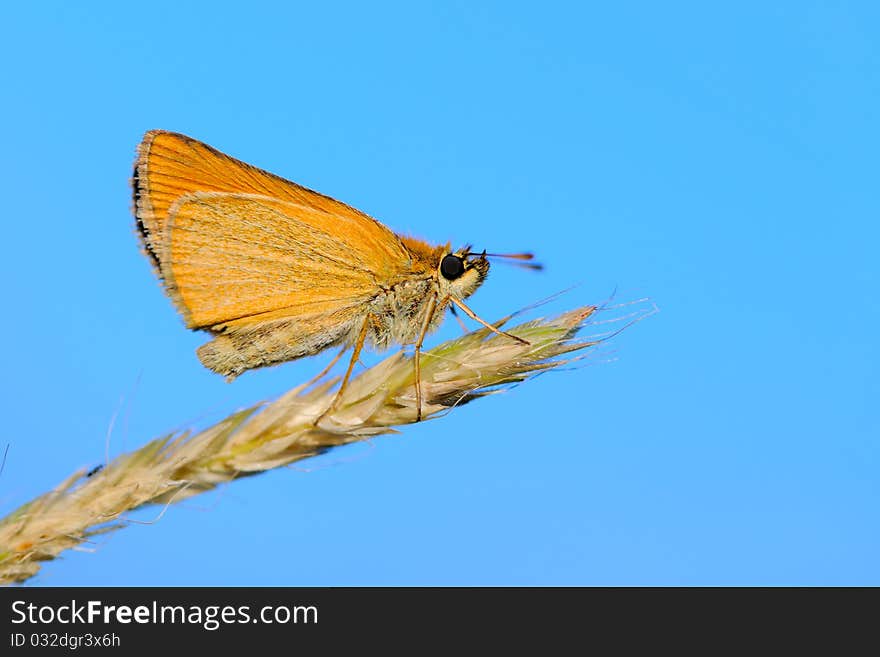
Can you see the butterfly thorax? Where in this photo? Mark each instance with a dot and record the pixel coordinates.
(422, 293)
(396, 316)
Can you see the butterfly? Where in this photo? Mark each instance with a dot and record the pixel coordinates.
(274, 271)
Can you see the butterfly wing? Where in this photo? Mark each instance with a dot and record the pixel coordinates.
(274, 270)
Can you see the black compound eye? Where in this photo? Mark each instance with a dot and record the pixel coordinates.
(451, 267)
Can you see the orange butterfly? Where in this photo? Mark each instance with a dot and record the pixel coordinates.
(275, 271)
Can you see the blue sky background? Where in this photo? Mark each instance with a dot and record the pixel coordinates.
(722, 161)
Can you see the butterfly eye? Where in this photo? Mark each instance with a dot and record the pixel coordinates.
(451, 267)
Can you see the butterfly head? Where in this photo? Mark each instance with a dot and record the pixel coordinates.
(461, 272)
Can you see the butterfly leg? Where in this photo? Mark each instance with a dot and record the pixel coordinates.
(358, 346)
(329, 367)
(458, 319)
(470, 313)
(429, 315)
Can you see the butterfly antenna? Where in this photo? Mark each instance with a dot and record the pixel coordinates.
(514, 259)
